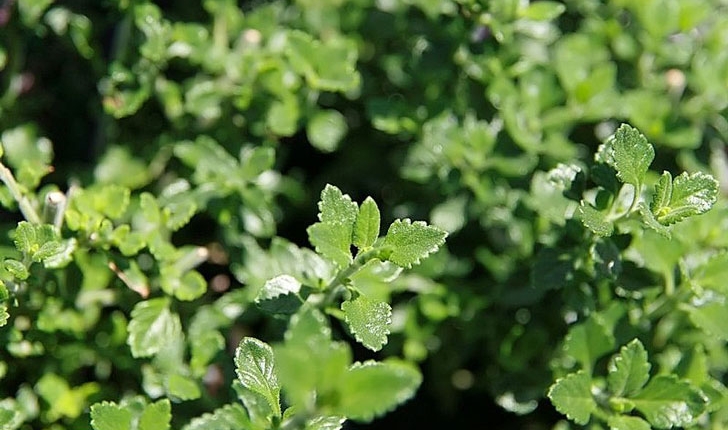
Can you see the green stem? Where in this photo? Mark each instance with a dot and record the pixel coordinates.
(669, 283)
(26, 208)
(338, 284)
(632, 205)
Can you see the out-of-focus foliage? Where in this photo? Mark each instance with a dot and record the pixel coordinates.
(162, 162)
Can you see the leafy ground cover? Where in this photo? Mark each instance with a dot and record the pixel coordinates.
(319, 214)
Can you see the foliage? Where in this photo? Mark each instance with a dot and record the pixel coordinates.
(163, 264)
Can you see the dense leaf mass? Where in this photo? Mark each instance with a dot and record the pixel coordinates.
(327, 214)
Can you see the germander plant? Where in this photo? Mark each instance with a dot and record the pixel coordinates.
(189, 156)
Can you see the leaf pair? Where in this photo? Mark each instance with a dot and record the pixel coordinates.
(342, 223)
(663, 401)
(630, 154)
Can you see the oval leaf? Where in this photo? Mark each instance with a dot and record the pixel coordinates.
(254, 365)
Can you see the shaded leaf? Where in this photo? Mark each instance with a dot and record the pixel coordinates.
(595, 220)
(712, 317)
(185, 286)
(326, 129)
(370, 389)
(181, 387)
(280, 295)
(589, 340)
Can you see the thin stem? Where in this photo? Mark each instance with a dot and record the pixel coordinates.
(669, 283)
(25, 206)
(338, 284)
(635, 198)
(632, 206)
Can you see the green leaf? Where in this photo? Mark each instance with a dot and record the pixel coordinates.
(112, 200)
(589, 340)
(282, 118)
(336, 207)
(331, 240)
(181, 387)
(368, 320)
(63, 255)
(552, 269)
(257, 407)
(118, 166)
(412, 241)
(186, 287)
(571, 395)
(3, 314)
(256, 160)
(663, 192)
(110, 416)
(30, 238)
(366, 226)
(326, 129)
(667, 402)
(333, 235)
(713, 273)
(156, 416)
(329, 66)
(689, 195)
(630, 154)
(543, 10)
(650, 221)
(280, 295)
(177, 214)
(629, 370)
(712, 317)
(46, 250)
(151, 327)
(595, 220)
(370, 389)
(12, 415)
(228, 417)
(17, 269)
(325, 423)
(622, 422)
(307, 341)
(255, 367)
